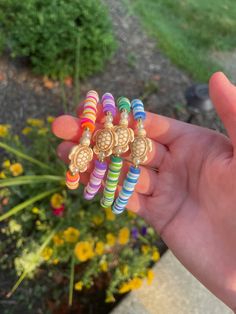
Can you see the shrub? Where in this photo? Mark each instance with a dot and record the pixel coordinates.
(49, 226)
(51, 33)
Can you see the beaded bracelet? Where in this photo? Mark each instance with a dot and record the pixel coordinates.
(105, 139)
(139, 149)
(82, 154)
(125, 136)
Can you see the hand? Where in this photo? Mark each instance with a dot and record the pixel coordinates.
(191, 199)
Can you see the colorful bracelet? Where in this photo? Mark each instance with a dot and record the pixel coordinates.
(139, 150)
(125, 136)
(82, 154)
(105, 139)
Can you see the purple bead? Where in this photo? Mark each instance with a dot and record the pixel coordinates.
(100, 165)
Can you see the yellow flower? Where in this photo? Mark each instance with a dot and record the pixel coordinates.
(145, 249)
(56, 200)
(42, 131)
(99, 248)
(6, 164)
(109, 214)
(135, 283)
(150, 276)
(71, 235)
(35, 122)
(123, 237)
(26, 130)
(84, 251)
(55, 261)
(79, 285)
(97, 220)
(47, 253)
(125, 269)
(104, 266)
(16, 169)
(57, 240)
(35, 210)
(125, 287)
(111, 239)
(50, 119)
(155, 256)
(4, 128)
(2, 175)
(110, 298)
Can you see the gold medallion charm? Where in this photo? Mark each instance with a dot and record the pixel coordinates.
(105, 139)
(141, 145)
(124, 133)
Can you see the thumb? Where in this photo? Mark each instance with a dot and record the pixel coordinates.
(223, 96)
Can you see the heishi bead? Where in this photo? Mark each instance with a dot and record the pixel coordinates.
(108, 103)
(72, 180)
(95, 180)
(90, 110)
(127, 190)
(111, 181)
(138, 109)
(123, 103)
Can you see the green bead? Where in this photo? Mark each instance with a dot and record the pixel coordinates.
(123, 103)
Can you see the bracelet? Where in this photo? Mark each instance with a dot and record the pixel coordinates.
(125, 136)
(139, 150)
(81, 154)
(105, 139)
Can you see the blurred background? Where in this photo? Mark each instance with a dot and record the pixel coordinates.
(52, 53)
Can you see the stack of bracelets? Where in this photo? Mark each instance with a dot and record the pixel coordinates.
(109, 141)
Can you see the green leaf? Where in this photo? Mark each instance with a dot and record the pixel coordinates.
(72, 277)
(24, 156)
(26, 203)
(29, 180)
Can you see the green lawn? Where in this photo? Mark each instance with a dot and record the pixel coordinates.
(188, 31)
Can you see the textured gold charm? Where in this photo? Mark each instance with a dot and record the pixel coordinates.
(141, 145)
(125, 136)
(80, 156)
(105, 139)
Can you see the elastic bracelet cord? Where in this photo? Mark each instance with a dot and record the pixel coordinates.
(139, 149)
(125, 136)
(81, 154)
(104, 139)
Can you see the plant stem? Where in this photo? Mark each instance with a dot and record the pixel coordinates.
(72, 277)
(26, 203)
(76, 78)
(24, 156)
(29, 180)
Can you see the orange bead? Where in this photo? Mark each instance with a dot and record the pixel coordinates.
(88, 125)
(72, 178)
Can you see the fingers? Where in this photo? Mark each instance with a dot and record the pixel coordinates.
(223, 95)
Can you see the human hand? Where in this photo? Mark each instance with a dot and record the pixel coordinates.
(187, 188)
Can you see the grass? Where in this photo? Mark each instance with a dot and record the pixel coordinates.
(189, 31)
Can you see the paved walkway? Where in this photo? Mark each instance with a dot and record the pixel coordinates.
(174, 291)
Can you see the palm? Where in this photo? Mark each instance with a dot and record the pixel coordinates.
(186, 190)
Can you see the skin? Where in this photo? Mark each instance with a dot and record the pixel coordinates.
(187, 189)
